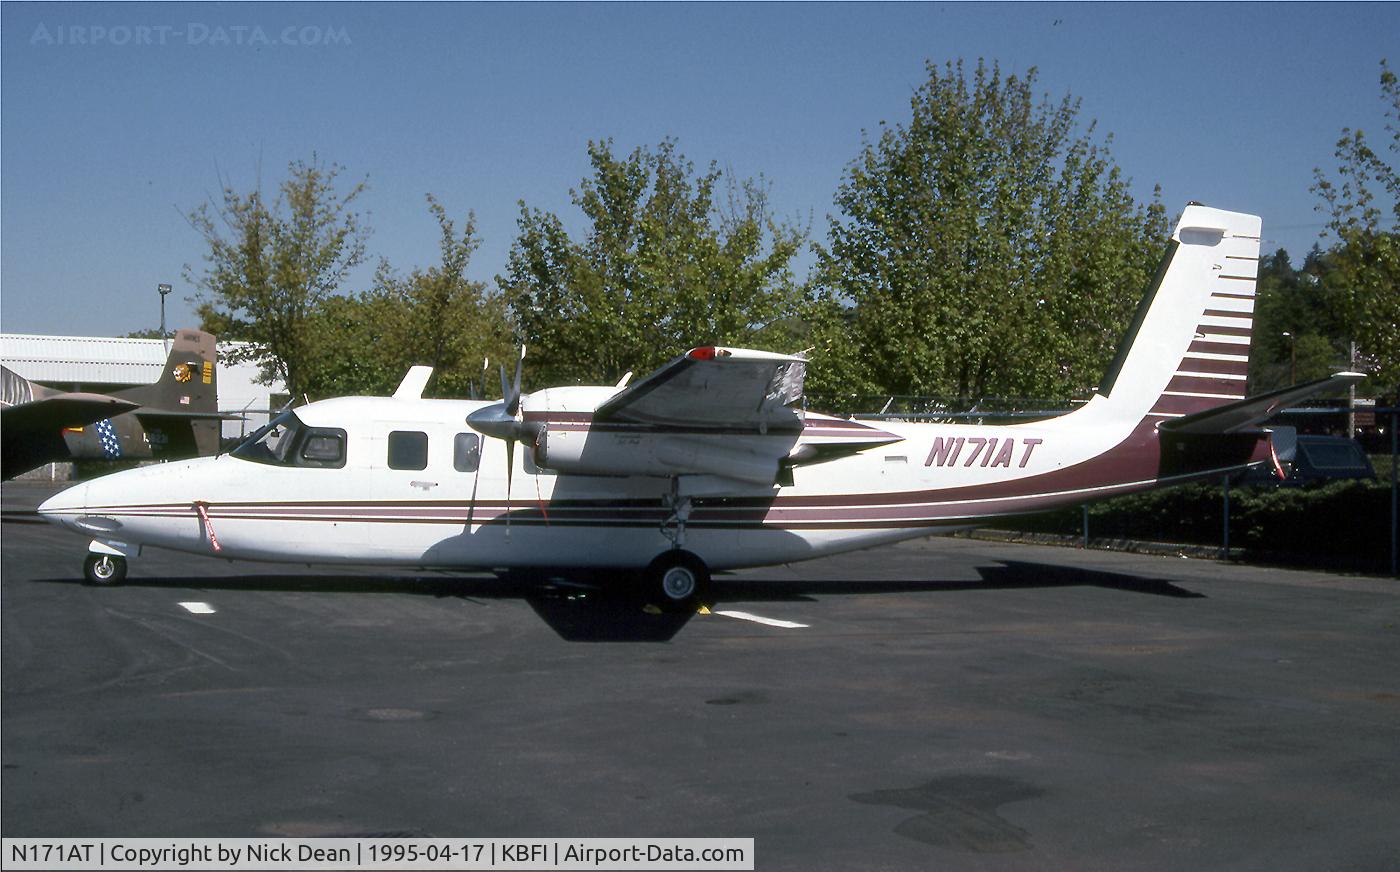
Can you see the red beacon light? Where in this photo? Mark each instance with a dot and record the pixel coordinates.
(706, 352)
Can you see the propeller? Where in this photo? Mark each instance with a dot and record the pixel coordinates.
(504, 421)
(476, 389)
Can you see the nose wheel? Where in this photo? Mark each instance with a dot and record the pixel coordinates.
(104, 569)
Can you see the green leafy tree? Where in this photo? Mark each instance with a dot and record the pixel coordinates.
(436, 317)
(1364, 281)
(987, 246)
(663, 265)
(356, 342)
(1298, 335)
(269, 266)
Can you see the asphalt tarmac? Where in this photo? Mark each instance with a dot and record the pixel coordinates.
(948, 704)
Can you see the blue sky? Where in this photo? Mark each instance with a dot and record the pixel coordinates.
(104, 142)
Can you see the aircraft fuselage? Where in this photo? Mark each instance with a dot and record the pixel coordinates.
(935, 478)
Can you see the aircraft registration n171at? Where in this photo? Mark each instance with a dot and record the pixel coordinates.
(708, 463)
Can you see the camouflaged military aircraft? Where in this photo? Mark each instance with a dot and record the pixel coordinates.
(174, 418)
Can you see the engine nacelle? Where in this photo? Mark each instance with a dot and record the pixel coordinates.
(753, 459)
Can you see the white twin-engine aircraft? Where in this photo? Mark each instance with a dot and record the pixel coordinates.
(708, 463)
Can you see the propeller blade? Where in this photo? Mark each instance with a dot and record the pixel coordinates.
(510, 468)
(513, 398)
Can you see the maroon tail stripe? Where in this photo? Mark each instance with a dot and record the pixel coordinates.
(1227, 367)
(1226, 296)
(1218, 348)
(1224, 331)
(1239, 278)
(1185, 405)
(1196, 384)
(1226, 313)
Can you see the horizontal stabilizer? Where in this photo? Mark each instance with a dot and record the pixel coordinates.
(1236, 416)
(187, 415)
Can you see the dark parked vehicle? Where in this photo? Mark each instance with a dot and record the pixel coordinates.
(1312, 459)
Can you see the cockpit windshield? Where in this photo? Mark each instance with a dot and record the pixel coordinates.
(287, 441)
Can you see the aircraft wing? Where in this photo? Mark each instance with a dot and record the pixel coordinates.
(60, 411)
(734, 390)
(33, 430)
(1236, 416)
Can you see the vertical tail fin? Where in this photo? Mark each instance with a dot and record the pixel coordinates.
(1188, 347)
(180, 413)
(189, 381)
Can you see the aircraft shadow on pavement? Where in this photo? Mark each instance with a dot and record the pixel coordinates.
(22, 516)
(593, 611)
(577, 611)
(1007, 575)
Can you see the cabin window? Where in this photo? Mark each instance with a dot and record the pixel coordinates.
(286, 441)
(323, 447)
(408, 449)
(466, 452)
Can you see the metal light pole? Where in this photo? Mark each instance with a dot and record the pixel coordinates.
(164, 291)
(1351, 395)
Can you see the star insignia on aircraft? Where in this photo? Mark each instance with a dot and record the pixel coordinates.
(107, 436)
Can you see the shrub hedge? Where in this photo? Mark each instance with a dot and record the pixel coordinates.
(1345, 523)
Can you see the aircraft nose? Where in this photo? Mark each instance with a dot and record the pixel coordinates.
(66, 506)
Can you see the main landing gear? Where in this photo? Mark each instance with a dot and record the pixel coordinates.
(678, 579)
(104, 569)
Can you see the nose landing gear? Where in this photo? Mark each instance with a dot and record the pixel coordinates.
(104, 569)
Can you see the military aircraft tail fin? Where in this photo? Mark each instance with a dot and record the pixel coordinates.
(189, 381)
(183, 406)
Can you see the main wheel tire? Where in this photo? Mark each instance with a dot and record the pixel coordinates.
(104, 569)
(678, 579)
